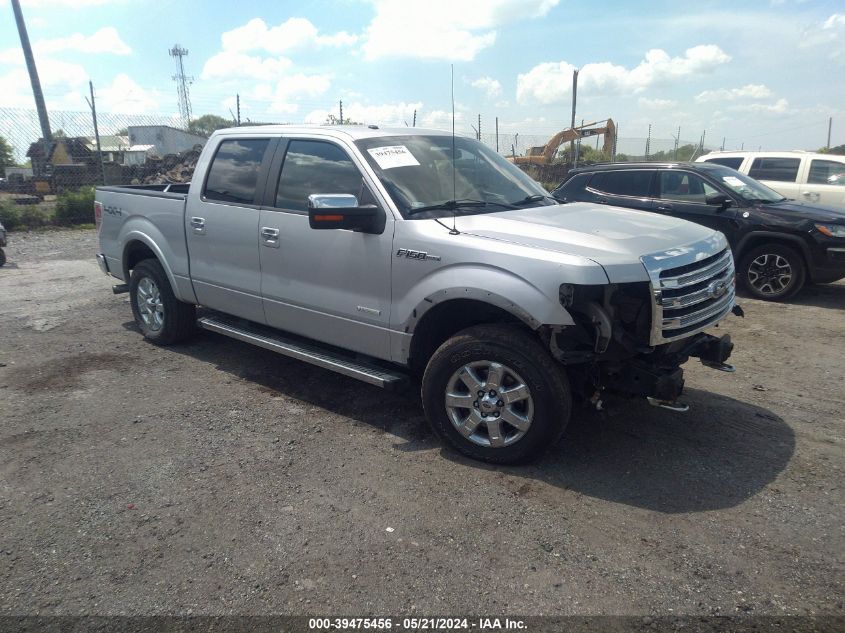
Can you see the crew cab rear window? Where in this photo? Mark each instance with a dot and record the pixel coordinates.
(780, 169)
(824, 172)
(728, 161)
(631, 182)
(315, 167)
(234, 170)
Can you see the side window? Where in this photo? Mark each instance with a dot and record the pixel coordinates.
(631, 182)
(826, 172)
(684, 186)
(570, 189)
(234, 169)
(729, 161)
(780, 169)
(317, 167)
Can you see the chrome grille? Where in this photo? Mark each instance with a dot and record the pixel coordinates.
(690, 296)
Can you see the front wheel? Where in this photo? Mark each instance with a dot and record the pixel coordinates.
(772, 272)
(495, 394)
(160, 316)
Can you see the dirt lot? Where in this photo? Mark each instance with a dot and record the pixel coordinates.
(219, 478)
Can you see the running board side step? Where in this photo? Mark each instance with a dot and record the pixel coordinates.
(308, 352)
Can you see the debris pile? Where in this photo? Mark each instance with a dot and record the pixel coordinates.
(171, 168)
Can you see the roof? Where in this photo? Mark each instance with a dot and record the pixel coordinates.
(768, 154)
(632, 165)
(353, 132)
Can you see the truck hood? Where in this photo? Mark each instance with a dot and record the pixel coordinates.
(613, 237)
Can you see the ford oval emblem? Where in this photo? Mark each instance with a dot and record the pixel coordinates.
(717, 288)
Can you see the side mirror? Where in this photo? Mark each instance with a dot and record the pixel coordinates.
(719, 200)
(341, 211)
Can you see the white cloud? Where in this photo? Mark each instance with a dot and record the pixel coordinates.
(748, 91)
(443, 29)
(657, 104)
(441, 119)
(491, 87)
(834, 21)
(126, 96)
(75, 4)
(228, 65)
(551, 82)
(294, 33)
(778, 107)
(106, 40)
(381, 114)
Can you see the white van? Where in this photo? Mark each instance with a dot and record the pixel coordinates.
(804, 176)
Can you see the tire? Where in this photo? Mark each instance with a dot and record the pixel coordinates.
(2, 257)
(462, 367)
(161, 317)
(762, 272)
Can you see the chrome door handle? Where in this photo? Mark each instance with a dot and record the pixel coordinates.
(665, 207)
(198, 224)
(812, 195)
(270, 236)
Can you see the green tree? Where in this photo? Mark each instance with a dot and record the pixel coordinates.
(208, 124)
(839, 149)
(7, 156)
(333, 120)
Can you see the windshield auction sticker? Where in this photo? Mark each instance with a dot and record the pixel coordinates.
(733, 180)
(393, 156)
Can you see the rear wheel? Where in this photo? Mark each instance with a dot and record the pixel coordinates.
(772, 272)
(495, 394)
(160, 316)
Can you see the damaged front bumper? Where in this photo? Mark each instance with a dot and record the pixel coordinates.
(660, 379)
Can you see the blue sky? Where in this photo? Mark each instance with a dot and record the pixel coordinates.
(760, 73)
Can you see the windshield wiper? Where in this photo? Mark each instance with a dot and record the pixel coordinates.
(454, 205)
(533, 198)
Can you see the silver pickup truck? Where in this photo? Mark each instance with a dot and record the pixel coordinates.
(397, 254)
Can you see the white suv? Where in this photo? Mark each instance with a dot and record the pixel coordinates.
(805, 176)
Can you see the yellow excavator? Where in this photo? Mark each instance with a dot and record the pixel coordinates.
(544, 154)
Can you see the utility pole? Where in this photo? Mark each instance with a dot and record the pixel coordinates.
(238, 107)
(829, 126)
(648, 142)
(341, 113)
(723, 144)
(677, 140)
(415, 119)
(615, 140)
(578, 146)
(93, 105)
(574, 101)
(37, 94)
(479, 127)
(182, 83)
(497, 135)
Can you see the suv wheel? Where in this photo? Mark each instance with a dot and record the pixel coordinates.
(772, 272)
(495, 394)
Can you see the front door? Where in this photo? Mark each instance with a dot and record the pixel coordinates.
(683, 194)
(221, 225)
(329, 285)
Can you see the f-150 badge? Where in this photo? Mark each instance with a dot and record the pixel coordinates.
(420, 255)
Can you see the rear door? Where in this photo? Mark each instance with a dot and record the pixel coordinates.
(683, 194)
(625, 187)
(825, 182)
(329, 285)
(778, 172)
(222, 228)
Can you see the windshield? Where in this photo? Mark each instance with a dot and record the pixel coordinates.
(418, 173)
(740, 184)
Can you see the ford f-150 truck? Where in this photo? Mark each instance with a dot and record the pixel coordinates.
(397, 254)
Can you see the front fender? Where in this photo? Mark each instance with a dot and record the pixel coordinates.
(496, 286)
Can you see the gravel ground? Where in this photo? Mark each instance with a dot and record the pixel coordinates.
(217, 478)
